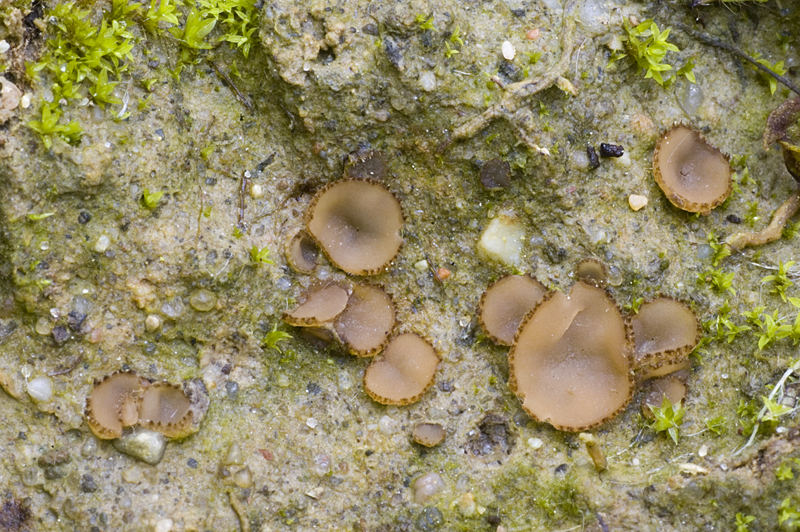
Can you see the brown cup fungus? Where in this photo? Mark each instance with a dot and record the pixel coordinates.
(367, 321)
(505, 303)
(302, 252)
(123, 399)
(361, 318)
(357, 224)
(665, 331)
(694, 175)
(671, 387)
(321, 306)
(570, 359)
(402, 374)
(592, 271)
(429, 434)
(365, 165)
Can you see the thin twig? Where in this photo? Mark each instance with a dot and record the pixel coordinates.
(229, 82)
(707, 39)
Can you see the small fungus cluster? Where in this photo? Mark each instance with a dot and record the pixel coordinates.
(575, 359)
(124, 399)
(357, 222)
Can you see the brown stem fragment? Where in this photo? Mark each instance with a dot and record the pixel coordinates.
(775, 228)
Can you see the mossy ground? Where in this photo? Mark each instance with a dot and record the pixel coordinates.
(323, 80)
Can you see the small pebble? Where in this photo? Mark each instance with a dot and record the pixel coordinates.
(311, 422)
(102, 244)
(427, 486)
(164, 525)
(40, 389)
(234, 456)
(703, 452)
(637, 202)
(532, 34)
(143, 444)
(4, 46)
(594, 160)
(509, 52)
(535, 443)
(467, 505)
(243, 478)
(203, 300)
(257, 191)
(191, 462)
(152, 323)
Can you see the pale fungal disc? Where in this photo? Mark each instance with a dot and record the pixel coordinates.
(165, 408)
(637, 202)
(592, 271)
(367, 320)
(104, 407)
(403, 373)
(302, 252)
(663, 330)
(694, 175)
(429, 434)
(321, 306)
(505, 303)
(357, 223)
(670, 387)
(570, 360)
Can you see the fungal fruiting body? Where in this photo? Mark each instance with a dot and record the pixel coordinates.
(357, 224)
(123, 399)
(694, 175)
(570, 359)
(505, 303)
(405, 370)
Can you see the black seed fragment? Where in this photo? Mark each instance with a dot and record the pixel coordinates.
(191, 462)
(75, 319)
(312, 388)
(732, 218)
(611, 150)
(84, 217)
(594, 160)
(561, 469)
(370, 29)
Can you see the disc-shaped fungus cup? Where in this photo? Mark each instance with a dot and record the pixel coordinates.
(166, 409)
(402, 374)
(671, 386)
(570, 359)
(357, 224)
(505, 303)
(302, 252)
(322, 305)
(367, 321)
(114, 404)
(694, 175)
(592, 271)
(664, 331)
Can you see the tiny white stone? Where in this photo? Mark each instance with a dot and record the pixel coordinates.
(4, 46)
(316, 493)
(165, 525)
(151, 323)
(421, 265)
(26, 101)
(41, 388)
(637, 202)
(427, 486)
(102, 244)
(635, 461)
(257, 191)
(427, 81)
(508, 50)
(311, 422)
(703, 451)
(535, 443)
(387, 426)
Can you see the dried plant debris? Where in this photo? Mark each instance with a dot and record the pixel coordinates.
(570, 359)
(505, 303)
(405, 370)
(302, 252)
(357, 224)
(123, 399)
(694, 175)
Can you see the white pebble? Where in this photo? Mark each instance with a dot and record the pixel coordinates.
(427, 486)
(152, 323)
(535, 443)
(509, 52)
(4, 46)
(387, 426)
(311, 422)
(165, 525)
(427, 81)
(257, 191)
(40, 388)
(26, 100)
(703, 451)
(421, 265)
(102, 244)
(637, 202)
(635, 461)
